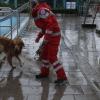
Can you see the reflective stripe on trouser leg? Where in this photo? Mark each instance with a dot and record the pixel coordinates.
(59, 70)
(45, 68)
(45, 63)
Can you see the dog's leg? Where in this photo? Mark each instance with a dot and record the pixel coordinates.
(9, 59)
(19, 61)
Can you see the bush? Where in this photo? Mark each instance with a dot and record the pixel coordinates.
(7, 5)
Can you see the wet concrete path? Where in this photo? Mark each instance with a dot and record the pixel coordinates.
(79, 52)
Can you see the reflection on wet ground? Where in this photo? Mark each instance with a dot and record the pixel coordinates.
(12, 89)
(79, 52)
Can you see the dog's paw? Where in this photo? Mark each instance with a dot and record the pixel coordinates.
(14, 67)
(21, 65)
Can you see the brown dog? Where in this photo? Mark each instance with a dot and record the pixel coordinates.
(12, 48)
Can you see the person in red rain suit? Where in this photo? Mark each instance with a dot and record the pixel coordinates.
(45, 19)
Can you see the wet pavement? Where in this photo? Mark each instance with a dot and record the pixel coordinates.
(80, 54)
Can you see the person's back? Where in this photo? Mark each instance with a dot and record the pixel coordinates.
(49, 21)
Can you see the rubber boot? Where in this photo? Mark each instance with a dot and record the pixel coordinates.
(61, 77)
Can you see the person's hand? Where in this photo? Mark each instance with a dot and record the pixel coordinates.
(37, 40)
(39, 51)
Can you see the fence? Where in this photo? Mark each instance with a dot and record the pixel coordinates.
(11, 13)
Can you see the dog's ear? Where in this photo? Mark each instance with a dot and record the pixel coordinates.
(17, 47)
(22, 43)
(1, 48)
(19, 44)
(17, 39)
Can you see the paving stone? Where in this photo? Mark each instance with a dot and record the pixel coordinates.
(87, 89)
(24, 81)
(77, 81)
(73, 89)
(62, 97)
(32, 90)
(86, 97)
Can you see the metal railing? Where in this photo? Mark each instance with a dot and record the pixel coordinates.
(5, 9)
(88, 9)
(15, 13)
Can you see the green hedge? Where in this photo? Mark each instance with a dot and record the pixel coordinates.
(7, 5)
(65, 11)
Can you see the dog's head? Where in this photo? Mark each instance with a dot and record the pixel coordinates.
(19, 44)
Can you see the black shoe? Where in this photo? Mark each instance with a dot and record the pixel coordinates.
(61, 82)
(40, 76)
